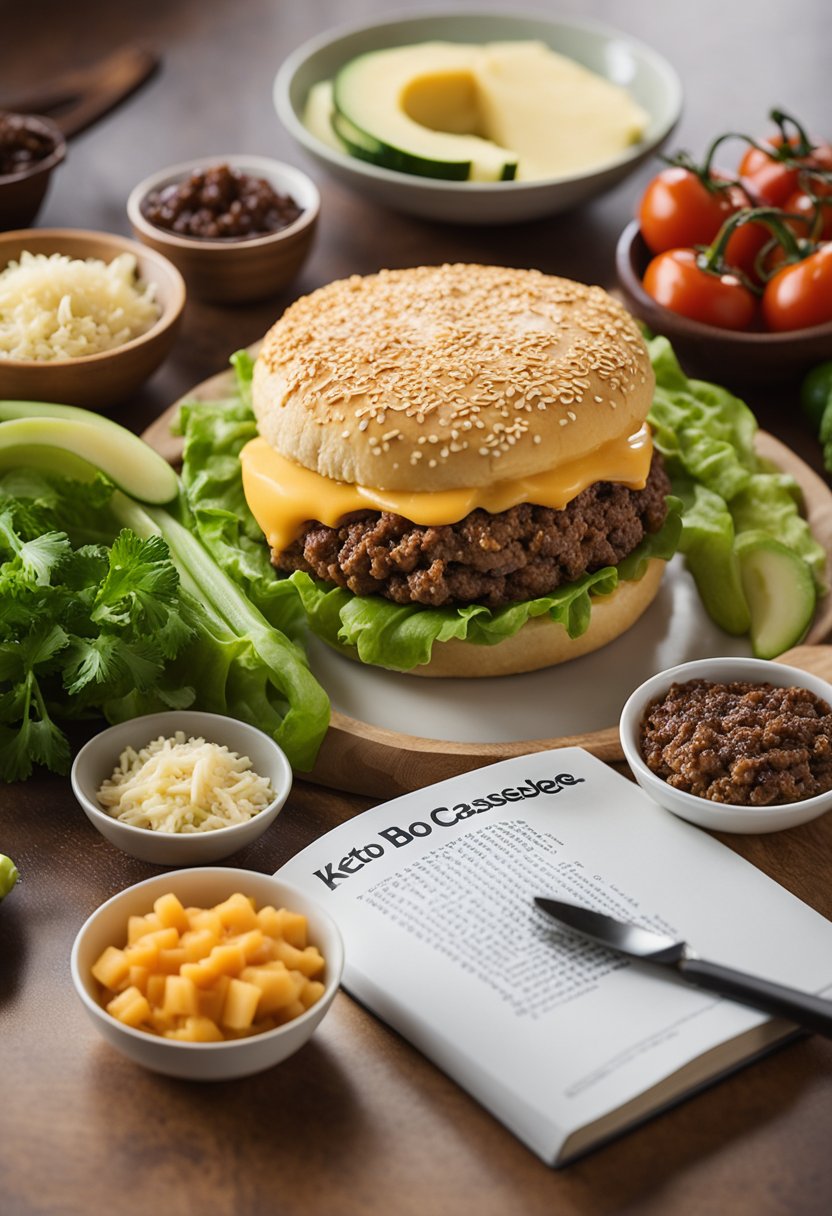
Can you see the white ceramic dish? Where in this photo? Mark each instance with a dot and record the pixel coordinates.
(721, 817)
(651, 80)
(202, 888)
(97, 759)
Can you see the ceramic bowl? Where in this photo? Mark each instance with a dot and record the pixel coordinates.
(622, 59)
(22, 193)
(720, 817)
(203, 888)
(732, 357)
(234, 271)
(95, 381)
(97, 759)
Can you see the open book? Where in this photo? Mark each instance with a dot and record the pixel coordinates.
(567, 1043)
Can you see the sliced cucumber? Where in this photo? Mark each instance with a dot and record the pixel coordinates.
(390, 103)
(318, 114)
(780, 591)
(121, 455)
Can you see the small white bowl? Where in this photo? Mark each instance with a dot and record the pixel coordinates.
(719, 816)
(203, 888)
(98, 758)
(618, 57)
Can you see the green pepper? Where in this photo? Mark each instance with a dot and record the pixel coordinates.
(8, 874)
(816, 393)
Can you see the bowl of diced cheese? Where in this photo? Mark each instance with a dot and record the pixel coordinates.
(181, 787)
(209, 973)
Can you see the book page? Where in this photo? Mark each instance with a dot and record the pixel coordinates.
(433, 893)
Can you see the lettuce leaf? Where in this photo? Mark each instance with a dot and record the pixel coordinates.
(706, 436)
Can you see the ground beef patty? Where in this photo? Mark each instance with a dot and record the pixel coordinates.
(518, 554)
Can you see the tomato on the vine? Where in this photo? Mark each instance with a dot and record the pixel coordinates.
(772, 176)
(679, 209)
(676, 280)
(800, 294)
(801, 203)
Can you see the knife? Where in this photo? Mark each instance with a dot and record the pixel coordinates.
(812, 1012)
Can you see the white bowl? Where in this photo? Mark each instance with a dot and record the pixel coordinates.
(621, 59)
(98, 758)
(719, 816)
(202, 888)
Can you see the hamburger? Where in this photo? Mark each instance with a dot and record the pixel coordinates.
(456, 455)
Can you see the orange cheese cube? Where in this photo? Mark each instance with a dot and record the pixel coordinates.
(311, 992)
(181, 996)
(240, 1005)
(171, 913)
(155, 990)
(277, 988)
(198, 943)
(293, 928)
(138, 926)
(143, 953)
(130, 1007)
(111, 967)
(211, 1000)
(197, 1030)
(237, 913)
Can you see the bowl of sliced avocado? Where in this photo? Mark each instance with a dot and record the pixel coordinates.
(478, 118)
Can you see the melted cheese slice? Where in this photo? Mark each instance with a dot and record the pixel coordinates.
(283, 495)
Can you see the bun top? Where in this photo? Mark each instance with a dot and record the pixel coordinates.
(444, 377)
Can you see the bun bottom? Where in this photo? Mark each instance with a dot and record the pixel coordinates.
(543, 642)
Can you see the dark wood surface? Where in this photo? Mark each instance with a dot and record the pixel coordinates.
(357, 1122)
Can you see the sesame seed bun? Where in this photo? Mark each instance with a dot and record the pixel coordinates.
(448, 377)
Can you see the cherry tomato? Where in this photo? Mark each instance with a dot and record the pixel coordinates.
(678, 209)
(799, 203)
(675, 280)
(800, 295)
(770, 179)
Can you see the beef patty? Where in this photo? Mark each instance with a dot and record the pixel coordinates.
(517, 554)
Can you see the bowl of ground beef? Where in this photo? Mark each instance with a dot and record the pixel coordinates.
(733, 744)
(238, 228)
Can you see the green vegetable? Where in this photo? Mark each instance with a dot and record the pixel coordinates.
(122, 456)
(8, 875)
(708, 544)
(816, 394)
(707, 438)
(107, 607)
(779, 619)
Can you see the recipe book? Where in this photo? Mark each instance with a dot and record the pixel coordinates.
(567, 1043)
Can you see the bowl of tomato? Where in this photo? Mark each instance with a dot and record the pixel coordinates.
(735, 266)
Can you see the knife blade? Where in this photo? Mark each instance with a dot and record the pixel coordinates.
(807, 1010)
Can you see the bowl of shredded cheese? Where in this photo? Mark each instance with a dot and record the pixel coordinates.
(182, 787)
(85, 317)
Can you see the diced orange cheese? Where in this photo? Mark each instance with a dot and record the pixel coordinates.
(181, 996)
(240, 1004)
(171, 913)
(112, 967)
(237, 913)
(130, 1007)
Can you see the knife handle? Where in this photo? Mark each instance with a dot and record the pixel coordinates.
(804, 1008)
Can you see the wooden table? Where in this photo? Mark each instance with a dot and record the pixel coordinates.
(358, 1122)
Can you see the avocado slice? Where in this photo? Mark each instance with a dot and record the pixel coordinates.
(415, 109)
(780, 591)
(118, 453)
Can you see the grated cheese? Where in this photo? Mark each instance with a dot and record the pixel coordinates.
(184, 785)
(57, 307)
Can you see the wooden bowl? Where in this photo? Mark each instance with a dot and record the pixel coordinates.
(94, 381)
(234, 271)
(22, 193)
(730, 357)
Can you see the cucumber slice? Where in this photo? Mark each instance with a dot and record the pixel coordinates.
(121, 455)
(318, 115)
(780, 591)
(371, 95)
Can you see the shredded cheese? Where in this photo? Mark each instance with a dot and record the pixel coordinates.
(57, 307)
(184, 785)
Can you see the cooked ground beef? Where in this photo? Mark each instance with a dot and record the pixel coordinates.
(746, 744)
(518, 554)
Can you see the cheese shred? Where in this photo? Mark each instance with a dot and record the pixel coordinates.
(181, 785)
